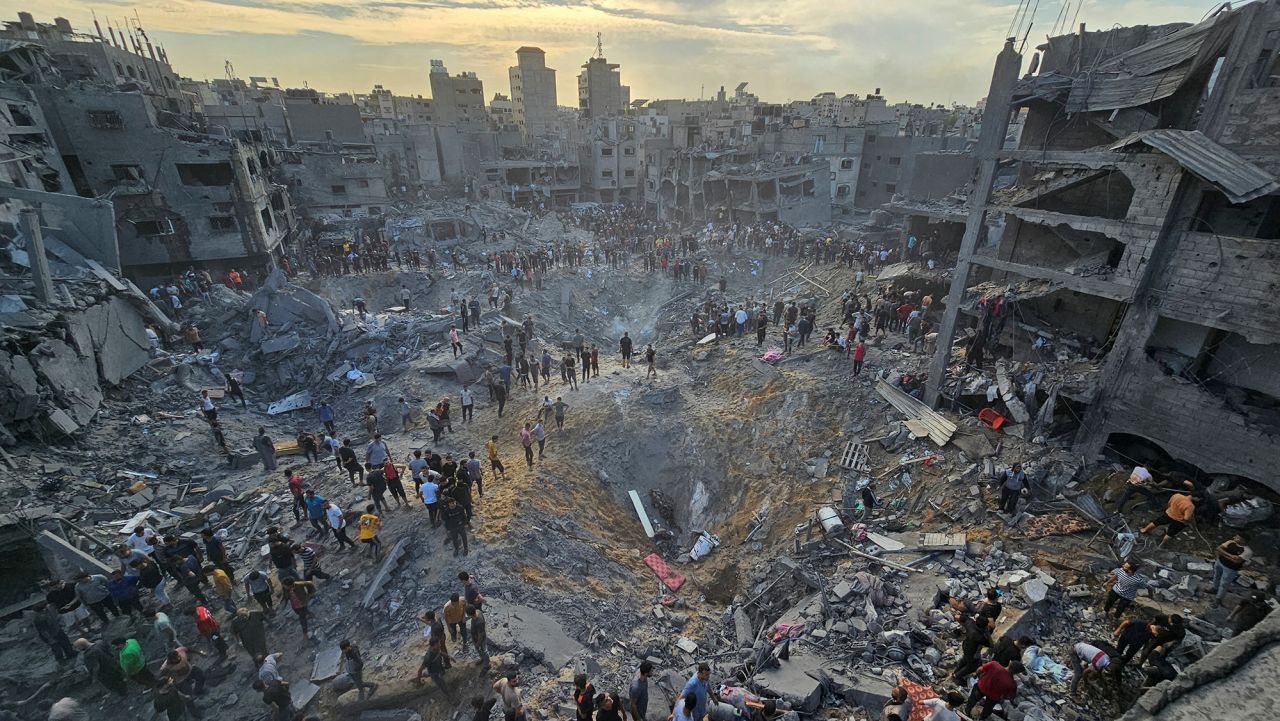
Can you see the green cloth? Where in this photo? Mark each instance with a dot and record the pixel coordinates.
(131, 660)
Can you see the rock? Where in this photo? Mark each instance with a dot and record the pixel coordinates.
(527, 631)
(842, 590)
(1035, 590)
(686, 645)
(791, 680)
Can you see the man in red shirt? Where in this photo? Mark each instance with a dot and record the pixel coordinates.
(996, 683)
(904, 310)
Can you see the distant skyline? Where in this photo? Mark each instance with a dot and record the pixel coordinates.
(922, 51)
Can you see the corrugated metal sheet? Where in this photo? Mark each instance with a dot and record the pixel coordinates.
(1152, 71)
(1238, 179)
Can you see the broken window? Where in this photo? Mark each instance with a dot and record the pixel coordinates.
(222, 223)
(628, 151)
(20, 115)
(338, 189)
(606, 152)
(106, 120)
(606, 173)
(267, 221)
(153, 228)
(893, 160)
(277, 202)
(362, 183)
(846, 164)
(205, 173)
(890, 188)
(842, 190)
(1258, 218)
(629, 173)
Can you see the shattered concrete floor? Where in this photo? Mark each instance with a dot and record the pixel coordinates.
(729, 442)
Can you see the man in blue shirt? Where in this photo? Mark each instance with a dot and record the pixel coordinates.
(698, 685)
(326, 417)
(315, 512)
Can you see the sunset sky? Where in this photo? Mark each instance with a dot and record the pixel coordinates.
(916, 50)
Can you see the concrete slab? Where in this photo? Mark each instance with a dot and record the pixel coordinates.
(302, 693)
(795, 680)
(280, 344)
(124, 347)
(389, 564)
(862, 689)
(65, 560)
(513, 627)
(326, 665)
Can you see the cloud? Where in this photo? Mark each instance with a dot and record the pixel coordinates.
(922, 50)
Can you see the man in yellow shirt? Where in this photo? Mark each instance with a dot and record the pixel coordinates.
(369, 525)
(223, 588)
(492, 446)
(455, 616)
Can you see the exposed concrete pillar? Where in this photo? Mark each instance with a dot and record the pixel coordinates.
(995, 123)
(30, 219)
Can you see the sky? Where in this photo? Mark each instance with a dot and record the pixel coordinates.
(924, 51)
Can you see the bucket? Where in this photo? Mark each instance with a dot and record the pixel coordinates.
(830, 521)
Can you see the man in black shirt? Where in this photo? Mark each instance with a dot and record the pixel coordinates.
(977, 634)
(1131, 636)
(1007, 649)
(638, 694)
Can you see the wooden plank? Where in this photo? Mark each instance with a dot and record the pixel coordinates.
(644, 517)
(138, 519)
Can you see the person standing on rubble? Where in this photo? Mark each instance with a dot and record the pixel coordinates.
(468, 403)
(624, 347)
(1086, 659)
(479, 636)
(526, 440)
(638, 693)
(1232, 556)
(996, 684)
(455, 343)
(369, 525)
(699, 686)
(315, 504)
(353, 664)
(370, 419)
(337, 524)
(1125, 584)
(348, 459)
(249, 627)
(649, 359)
(235, 390)
(103, 665)
(377, 452)
(207, 407)
(1013, 485)
(298, 595)
(1177, 516)
(492, 447)
(266, 449)
(540, 435)
(326, 417)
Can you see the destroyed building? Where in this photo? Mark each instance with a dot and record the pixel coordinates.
(1138, 235)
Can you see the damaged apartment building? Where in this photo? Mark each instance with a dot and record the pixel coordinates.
(1131, 236)
(182, 196)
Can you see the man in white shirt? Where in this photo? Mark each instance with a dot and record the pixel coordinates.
(468, 404)
(944, 710)
(142, 540)
(430, 492)
(1086, 658)
(338, 524)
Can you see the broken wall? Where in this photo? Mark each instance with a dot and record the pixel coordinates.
(1228, 283)
(1191, 424)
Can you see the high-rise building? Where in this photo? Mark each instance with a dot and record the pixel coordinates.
(533, 91)
(600, 89)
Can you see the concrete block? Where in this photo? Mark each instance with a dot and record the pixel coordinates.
(1035, 590)
(303, 693)
(327, 664)
(795, 680)
(65, 560)
(513, 627)
(389, 563)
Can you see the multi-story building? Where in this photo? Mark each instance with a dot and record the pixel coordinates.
(1141, 230)
(533, 92)
(600, 89)
(182, 197)
(458, 99)
(608, 160)
(128, 57)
